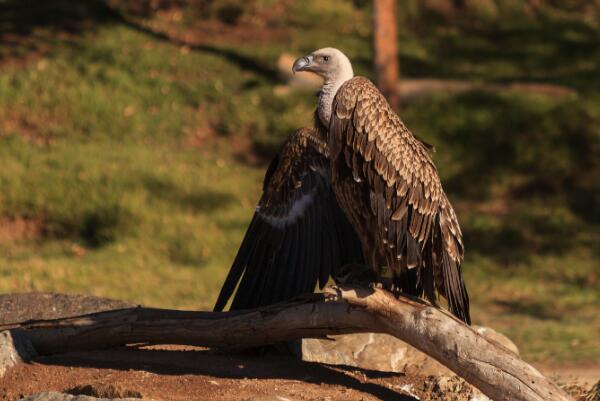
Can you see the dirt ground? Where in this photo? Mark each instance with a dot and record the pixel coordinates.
(182, 373)
(188, 373)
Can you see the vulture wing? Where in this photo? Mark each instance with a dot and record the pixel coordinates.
(369, 142)
(298, 234)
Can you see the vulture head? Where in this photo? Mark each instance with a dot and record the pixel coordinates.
(329, 63)
(334, 67)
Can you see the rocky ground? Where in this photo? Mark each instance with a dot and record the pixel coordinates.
(361, 367)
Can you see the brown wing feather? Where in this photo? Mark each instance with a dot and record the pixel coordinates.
(301, 153)
(418, 230)
(298, 235)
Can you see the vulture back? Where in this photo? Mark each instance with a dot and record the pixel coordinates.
(402, 203)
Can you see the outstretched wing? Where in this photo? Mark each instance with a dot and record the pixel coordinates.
(298, 235)
(369, 142)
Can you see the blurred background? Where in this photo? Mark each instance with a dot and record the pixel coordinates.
(134, 136)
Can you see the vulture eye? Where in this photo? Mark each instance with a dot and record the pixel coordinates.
(325, 58)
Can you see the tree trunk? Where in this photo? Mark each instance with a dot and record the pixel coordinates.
(493, 369)
(385, 48)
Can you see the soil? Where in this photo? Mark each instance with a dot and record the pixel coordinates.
(20, 229)
(191, 373)
(187, 373)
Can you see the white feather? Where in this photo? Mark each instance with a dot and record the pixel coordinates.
(295, 212)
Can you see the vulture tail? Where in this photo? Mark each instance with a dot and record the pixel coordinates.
(446, 272)
(455, 289)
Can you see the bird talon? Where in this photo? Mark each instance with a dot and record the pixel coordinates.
(356, 274)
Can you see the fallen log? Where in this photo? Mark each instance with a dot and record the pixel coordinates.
(494, 370)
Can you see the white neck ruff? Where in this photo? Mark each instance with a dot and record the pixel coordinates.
(327, 93)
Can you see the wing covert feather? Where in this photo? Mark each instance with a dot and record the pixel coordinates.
(367, 140)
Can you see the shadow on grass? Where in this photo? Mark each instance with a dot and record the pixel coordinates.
(174, 362)
(94, 226)
(529, 308)
(244, 62)
(531, 155)
(543, 50)
(548, 144)
(30, 26)
(199, 201)
(520, 235)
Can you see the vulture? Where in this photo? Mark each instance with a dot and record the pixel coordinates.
(357, 189)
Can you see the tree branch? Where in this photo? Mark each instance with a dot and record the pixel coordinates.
(497, 372)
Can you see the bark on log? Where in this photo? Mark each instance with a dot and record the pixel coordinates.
(497, 372)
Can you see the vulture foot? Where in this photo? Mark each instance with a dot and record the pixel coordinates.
(357, 274)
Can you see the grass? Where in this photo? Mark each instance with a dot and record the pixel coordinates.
(124, 149)
(134, 221)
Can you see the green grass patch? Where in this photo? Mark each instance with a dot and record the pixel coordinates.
(136, 222)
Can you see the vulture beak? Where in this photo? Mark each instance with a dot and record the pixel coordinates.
(301, 64)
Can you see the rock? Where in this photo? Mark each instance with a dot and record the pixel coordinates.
(478, 397)
(449, 388)
(52, 396)
(448, 384)
(299, 80)
(101, 390)
(270, 398)
(40, 305)
(408, 389)
(383, 352)
(371, 351)
(15, 347)
(593, 394)
(580, 392)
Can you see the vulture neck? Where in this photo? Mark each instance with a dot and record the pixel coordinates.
(328, 91)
